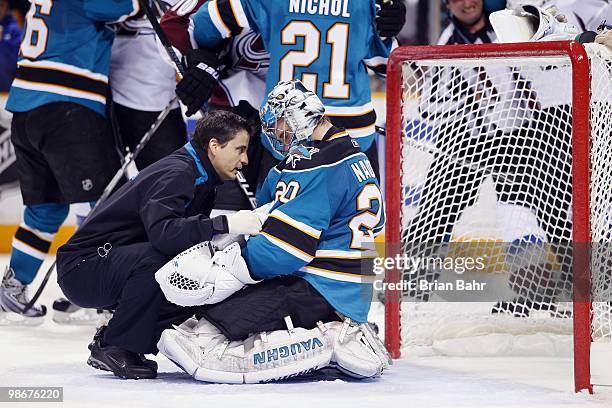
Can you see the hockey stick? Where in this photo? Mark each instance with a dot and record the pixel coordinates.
(242, 181)
(127, 161)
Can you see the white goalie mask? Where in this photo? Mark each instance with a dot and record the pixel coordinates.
(301, 110)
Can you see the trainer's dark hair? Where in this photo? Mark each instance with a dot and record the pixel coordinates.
(220, 125)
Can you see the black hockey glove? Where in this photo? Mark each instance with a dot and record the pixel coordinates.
(199, 81)
(390, 17)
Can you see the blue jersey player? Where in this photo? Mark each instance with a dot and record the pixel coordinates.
(327, 45)
(64, 147)
(312, 256)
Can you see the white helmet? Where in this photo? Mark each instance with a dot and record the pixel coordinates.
(301, 109)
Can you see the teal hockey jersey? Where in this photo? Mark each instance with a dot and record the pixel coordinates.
(325, 44)
(327, 210)
(65, 53)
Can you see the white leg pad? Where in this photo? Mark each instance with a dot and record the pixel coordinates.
(186, 345)
(205, 354)
(285, 354)
(353, 353)
(170, 347)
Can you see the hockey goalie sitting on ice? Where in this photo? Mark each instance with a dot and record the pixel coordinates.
(310, 259)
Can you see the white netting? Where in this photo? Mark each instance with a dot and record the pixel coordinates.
(486, 171)
(601, 192)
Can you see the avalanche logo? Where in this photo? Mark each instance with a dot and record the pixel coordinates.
(300, 152)
(286, 351)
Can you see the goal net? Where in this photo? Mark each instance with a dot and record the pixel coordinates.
(499, 199)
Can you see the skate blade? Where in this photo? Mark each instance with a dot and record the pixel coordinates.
(16, 319)
(78, 318)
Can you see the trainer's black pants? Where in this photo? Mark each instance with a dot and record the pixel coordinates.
(124, 280)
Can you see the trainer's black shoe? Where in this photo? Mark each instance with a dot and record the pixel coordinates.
(122, 363)
(100, 336)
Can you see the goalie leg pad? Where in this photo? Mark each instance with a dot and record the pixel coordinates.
(285, 354)
(187, 345)
(355, 351)
(207, 355)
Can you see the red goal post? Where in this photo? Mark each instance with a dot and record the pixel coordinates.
(580, 142)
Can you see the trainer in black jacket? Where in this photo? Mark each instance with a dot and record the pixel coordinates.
(111, 260)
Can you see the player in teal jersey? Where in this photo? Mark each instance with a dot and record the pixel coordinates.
(327, 207)
(328, 45)
(313, 256)
(63, 144)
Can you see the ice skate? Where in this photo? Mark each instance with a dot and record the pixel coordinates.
(67, 313)
(13, 301)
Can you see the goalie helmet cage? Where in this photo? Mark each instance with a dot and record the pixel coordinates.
(407, 85)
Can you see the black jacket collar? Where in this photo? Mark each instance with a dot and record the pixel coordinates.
(213, 177)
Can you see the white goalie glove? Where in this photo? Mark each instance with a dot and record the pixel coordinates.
(200, 276)
(222, 241)
(531, 23)
(248, 222)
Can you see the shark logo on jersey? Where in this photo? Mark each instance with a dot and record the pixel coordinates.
(300, 152)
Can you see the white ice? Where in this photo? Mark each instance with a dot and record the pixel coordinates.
(53, 355)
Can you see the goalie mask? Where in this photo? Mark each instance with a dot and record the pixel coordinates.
(289, 115)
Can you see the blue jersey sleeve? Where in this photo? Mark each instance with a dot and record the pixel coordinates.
(378, 52)
(220, 19)
(110, 10)
(292, 232)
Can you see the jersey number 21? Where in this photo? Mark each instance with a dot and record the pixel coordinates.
(336, 37)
